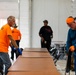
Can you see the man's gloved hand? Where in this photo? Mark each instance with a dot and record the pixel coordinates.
(72, 48)
(19, 51)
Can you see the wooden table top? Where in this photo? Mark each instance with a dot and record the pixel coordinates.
(35, 49)
(35, 54)
(53, 72)
(32, 64)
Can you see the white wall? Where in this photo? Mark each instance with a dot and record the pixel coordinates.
(56, 12)
(24, 23)
(8, 8)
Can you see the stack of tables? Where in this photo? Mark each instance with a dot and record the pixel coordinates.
(34, 61)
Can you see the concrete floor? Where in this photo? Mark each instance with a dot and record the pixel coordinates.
(61, 64)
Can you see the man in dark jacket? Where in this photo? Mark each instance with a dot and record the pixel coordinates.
(46, 34)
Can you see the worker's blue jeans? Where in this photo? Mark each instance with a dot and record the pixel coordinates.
(6, 61)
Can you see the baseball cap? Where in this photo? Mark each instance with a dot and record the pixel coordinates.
(69, 20)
